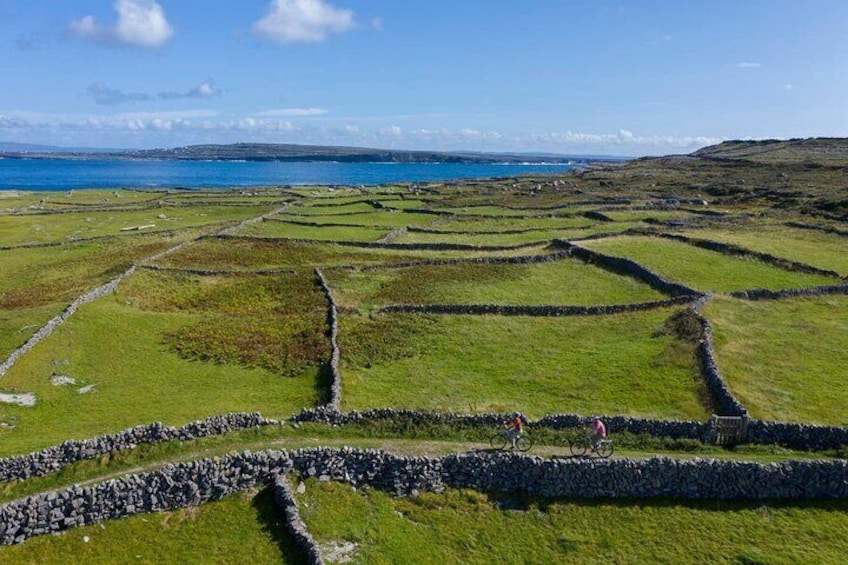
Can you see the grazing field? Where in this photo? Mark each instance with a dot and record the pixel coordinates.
(507, 212)
(242, 528)
(702, 269)
(785, 360)
(472, 225)
(565, 281)
(318, 210)
(460, 526)
(42, 228)
(823, 250)
(536, 365)
(171, 348)
(637, 215)
(387, 218)
(247, 253)
(297, 231)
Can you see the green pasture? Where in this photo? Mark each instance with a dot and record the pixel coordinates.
(486, 239)
(641, 215)
(171, 348)
(318, 210)
(621, 364)
(298, 231)
(41, 228)
(823, 250)
(566, 281)
(257, 254)
(404, 204)
(245, 527)
(785, 359)
(385, 218)
(703, 269)
(463, 526)
(508, 212)
(38, 283)
(59, 200)
(459, 224)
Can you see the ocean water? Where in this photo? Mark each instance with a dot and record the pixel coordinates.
(63, 174)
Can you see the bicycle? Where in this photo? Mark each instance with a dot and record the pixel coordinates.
(500, 440)
(580, 446)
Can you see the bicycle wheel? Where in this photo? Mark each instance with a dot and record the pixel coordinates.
(498, 441)
(579, 447)
(606, 449)
(523, 443)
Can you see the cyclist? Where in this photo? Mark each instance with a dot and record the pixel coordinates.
(515, 425)
(597, 432)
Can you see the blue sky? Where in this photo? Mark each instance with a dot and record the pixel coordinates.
(604, 77)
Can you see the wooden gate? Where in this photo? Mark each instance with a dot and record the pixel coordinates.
(729, 430)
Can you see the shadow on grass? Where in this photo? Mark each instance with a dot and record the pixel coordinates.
(272, 521)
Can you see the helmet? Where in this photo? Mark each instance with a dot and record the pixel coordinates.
(595, 418)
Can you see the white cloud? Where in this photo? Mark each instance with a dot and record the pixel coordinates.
(205, 89)
(140, 22)
(293, 112)
(303, 21)
(788, 87)
(392, 131)
(748, 65)
(107, 96)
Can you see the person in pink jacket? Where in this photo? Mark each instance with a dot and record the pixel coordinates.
(598, 431)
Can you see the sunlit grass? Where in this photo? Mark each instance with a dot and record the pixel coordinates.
(460, 526)
(702, 269)
(565, 281)
(621, 364)
(328, 233)
(785, 360)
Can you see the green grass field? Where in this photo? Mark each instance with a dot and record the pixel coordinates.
(702, 269)
(329, 233)
(41, 228)
(246, 254)
(174, 357)
(637, 215)
(785, 360)
(823, 250)
(242, 528)
(460, 526)
(506, 239)
(318, 210)
(386, 218)
(622, 364)
(565, 281)
(459, 224)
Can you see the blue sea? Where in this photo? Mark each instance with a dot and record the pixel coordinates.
(64, 174)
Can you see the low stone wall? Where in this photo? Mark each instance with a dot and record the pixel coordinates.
(333, 323)
(217, 272)
(54, 458)
(393, 234)
(763, 294)
(817, 227)
(57, 321)
(675, 429)
(595, 215)
(467, 232)
(284, 498)
(378, 245)
(797, 436)
(320, 224)
(519, 259)
(628, 268)
(543, 310)
(724, 403)
(190, 484)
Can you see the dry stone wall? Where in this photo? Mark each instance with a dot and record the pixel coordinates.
(54, 458)
(284, 498)
(333, 323)
(764, 294)
(190, 484)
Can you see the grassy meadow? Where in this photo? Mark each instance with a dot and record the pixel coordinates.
(702, 269)
(172, 348)
(460, 526)
(324, 233)
(565, 281)
(537, 365)
(785, 360)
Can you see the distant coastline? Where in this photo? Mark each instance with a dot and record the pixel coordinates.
(269, 152)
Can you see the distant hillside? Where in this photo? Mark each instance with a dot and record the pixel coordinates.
(831, 151)
(289, 152)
